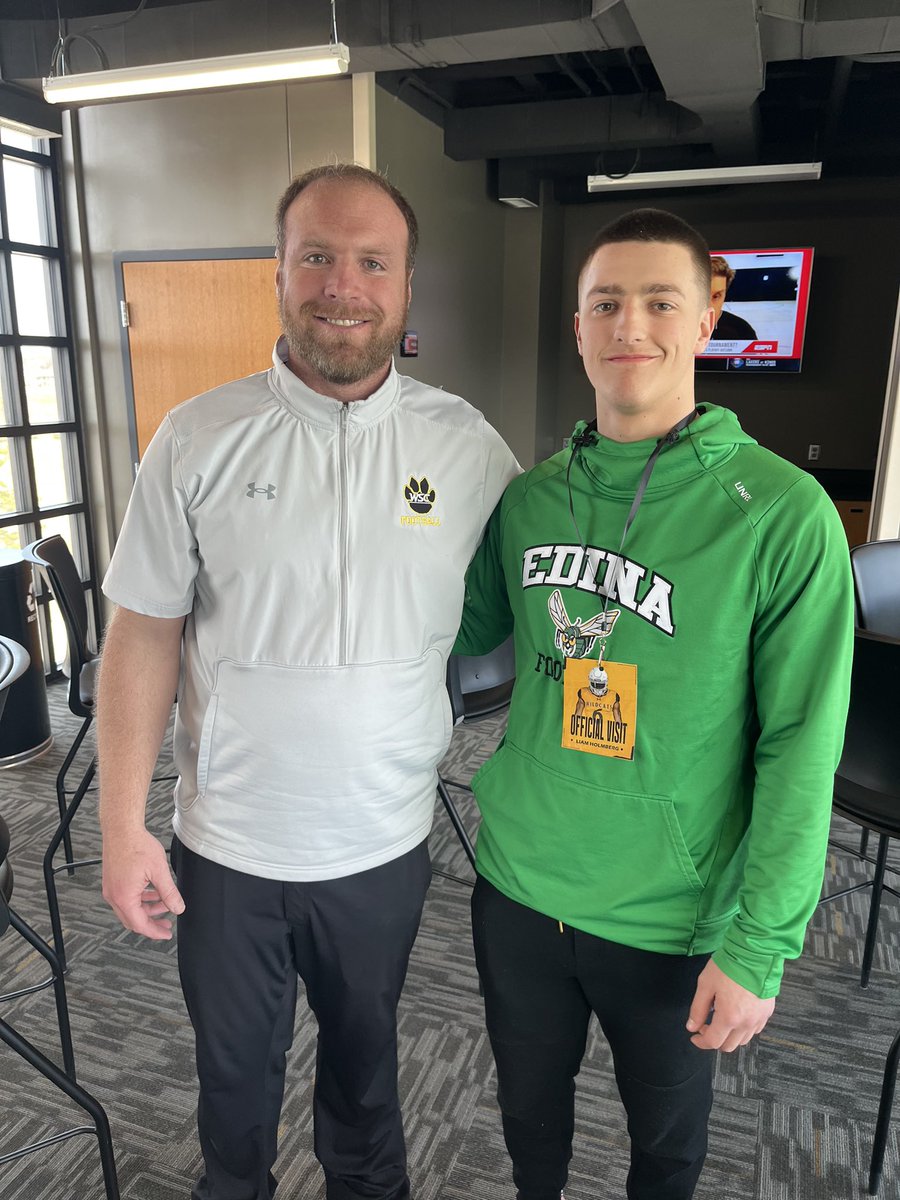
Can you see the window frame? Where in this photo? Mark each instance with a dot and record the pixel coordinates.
(18, 420)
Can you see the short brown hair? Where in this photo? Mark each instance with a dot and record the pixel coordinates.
(351, 173)
(655, 225)
(719, 266)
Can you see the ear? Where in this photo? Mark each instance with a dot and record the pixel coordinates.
(278, 279)
(409, 287)
(578, 334)
(707, 324)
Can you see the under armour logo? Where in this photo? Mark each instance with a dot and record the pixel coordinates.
(268, 491)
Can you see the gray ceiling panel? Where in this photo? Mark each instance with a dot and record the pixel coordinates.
(556, 83)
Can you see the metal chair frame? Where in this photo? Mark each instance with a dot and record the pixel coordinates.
(65, 1080)
(53, 559)
(477, 686)
(14, 660)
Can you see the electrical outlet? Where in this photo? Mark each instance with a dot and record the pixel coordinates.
(813, 453)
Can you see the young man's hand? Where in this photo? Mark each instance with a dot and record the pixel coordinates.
(737, 1015)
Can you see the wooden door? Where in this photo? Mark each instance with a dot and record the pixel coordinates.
(194, 324)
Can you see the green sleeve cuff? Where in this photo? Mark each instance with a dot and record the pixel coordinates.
(761, 976)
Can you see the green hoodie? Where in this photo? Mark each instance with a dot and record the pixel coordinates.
(735, 605)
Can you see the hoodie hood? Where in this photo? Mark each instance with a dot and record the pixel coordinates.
(615, 467)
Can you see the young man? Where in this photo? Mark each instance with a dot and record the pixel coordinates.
(727, 326)
(655, 859)
(296, 543)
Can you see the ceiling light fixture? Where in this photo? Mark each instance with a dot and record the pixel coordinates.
(707, 177)
(272, 66)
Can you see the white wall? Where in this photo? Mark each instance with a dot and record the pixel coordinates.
(886, 499)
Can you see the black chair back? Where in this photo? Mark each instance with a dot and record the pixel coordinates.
(876, 573)
(481, 684)
(54, 559)
(868, 776)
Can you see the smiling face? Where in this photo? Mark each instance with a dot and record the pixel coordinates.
(343, 286)
(641, 318)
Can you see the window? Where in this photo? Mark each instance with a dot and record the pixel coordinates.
(42, 482)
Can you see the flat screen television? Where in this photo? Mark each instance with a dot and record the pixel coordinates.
(762, 322)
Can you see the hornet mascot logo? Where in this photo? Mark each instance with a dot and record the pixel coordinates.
(576, 640)
(419, 494)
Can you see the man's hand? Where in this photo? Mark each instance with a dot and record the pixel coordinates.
(738, 1015)
(138, 885)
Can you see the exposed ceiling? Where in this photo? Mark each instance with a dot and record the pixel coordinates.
(552, 89)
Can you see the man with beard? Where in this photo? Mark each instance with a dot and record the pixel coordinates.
(271, 565)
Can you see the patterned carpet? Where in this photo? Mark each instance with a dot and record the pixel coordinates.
(793, 1117)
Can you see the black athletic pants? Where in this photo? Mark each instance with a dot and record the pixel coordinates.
(541, 985)
(242, 941)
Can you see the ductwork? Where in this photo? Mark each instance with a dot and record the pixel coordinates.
(384, 35)
(588, 125)
(710, 56)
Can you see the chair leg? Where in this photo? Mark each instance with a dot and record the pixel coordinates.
(59, 989)
(49, 876)
(61, 787)
(863, 843)
(456, 821)
(874, 907)
(83, 1099)
(879, 1142)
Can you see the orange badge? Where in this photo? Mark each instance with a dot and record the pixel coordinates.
(600, 707)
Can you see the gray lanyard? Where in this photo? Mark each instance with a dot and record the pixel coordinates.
(582, 439)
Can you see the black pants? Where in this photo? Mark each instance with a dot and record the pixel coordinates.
(242, 941)
(540, 987)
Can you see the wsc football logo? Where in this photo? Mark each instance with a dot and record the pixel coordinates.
(419, 494)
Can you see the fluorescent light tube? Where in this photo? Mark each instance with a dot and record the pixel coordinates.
(231, 71)
(774, 173)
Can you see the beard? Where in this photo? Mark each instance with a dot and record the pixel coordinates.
(336, 359)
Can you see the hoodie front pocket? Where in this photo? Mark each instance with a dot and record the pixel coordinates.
(597, 856)
(320, 758)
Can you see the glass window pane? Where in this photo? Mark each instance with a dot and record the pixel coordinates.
(13, 537)
(13, 490)
(7, 492)
(46, 384)
(69, 529)
(5, 300)
(37, 290)
(51, 615)
(60, 645)
(9, 409)
(54, 477)
(28, 202)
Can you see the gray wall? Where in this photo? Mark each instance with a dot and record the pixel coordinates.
(837, 399)
(532, 296)
(188, 172)
(457, 305)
